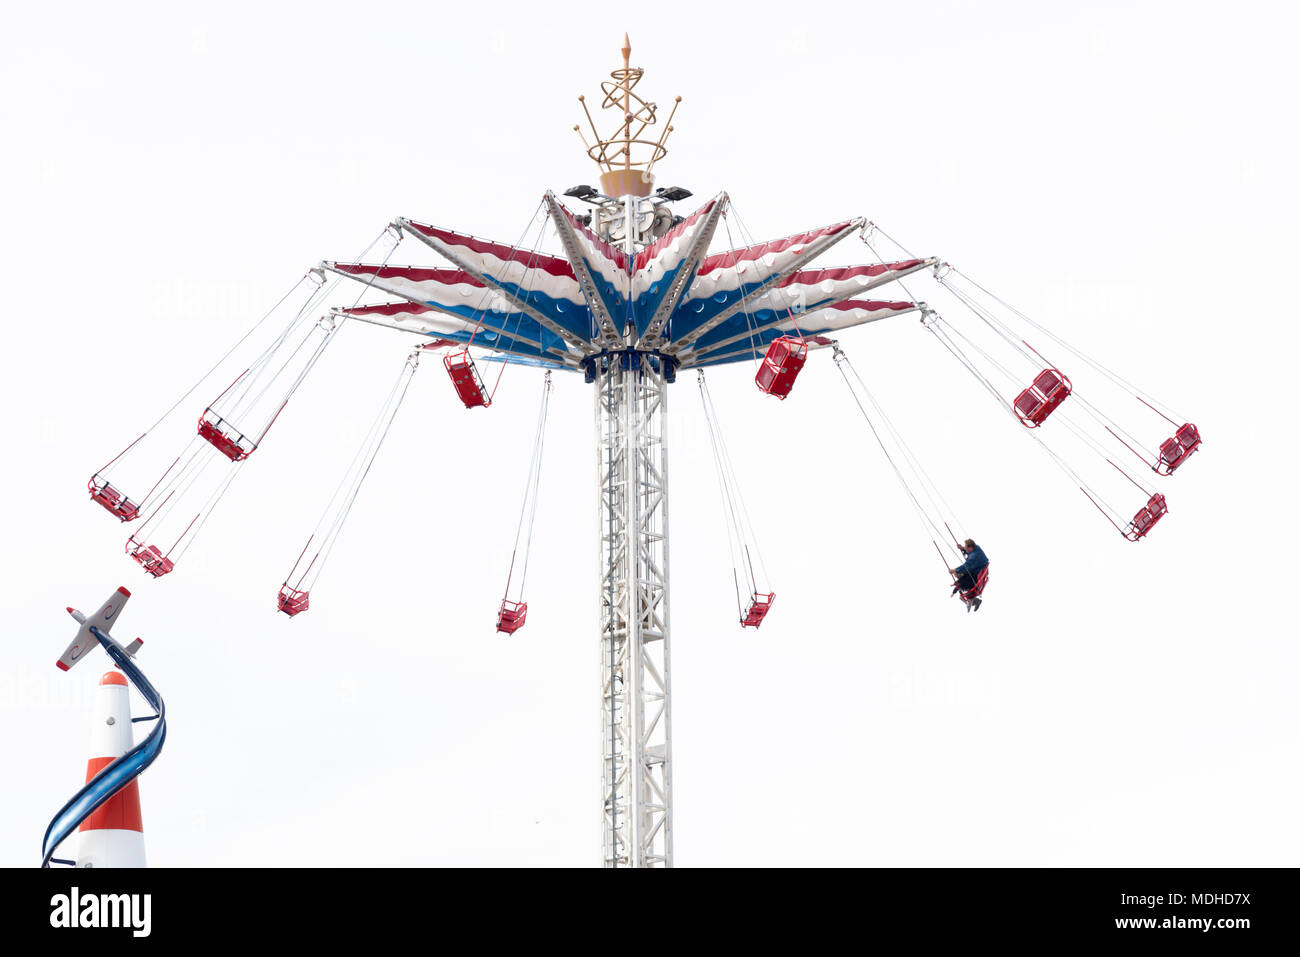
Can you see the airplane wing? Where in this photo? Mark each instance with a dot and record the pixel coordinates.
(103, 620)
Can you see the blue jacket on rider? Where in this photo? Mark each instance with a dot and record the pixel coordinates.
(976, 561)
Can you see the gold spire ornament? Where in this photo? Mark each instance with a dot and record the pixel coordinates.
(627, 157)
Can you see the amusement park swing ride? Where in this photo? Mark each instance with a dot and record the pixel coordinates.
(632, 299)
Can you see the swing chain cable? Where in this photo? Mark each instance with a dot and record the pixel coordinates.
(149, 494)
(531, 488)
(192, 449)
(931, 320)
(213, 500)
(1103, 506)
(352, 470)
(929, 488)
(736, 543)
(750, 323)
(790, 311)
(747, 526)
(1064, 417)
(527, 294)
(1109, 424)
(330, 327)
(941, 273)
(481, 310)
(322, 291)
(723, 490)
(927, 521)
(999, 328)
(1099, 367)
(306, 277)
(260, 365)
(196, 465)
(185, 479)
(287, 577)
(245, 399)
(537, 481)
(1004, 331)
(1093, 444)
(332, 534)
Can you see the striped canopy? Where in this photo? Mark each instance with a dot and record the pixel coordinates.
(672, 297)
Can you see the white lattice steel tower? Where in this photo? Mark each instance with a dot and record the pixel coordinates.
(631, 423)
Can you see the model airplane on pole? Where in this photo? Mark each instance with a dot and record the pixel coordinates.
(101, 620)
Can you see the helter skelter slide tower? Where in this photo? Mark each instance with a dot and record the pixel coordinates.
(634, 300)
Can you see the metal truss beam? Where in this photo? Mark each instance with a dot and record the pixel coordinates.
(631, 419)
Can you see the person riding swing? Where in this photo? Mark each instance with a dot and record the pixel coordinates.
(966, 575)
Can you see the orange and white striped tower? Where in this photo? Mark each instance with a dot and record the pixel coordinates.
(113, 836)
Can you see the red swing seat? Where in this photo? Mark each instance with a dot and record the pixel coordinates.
(224, 437)
(112, 499)
(1145, 520)
(1174, 451)
(759, 606)
(981, 580)
(291, 601)
(464, 376)
(1049, 389)
(785, 357)
(149, 558)
(512, 616)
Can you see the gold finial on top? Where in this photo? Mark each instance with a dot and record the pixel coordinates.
(626, 159)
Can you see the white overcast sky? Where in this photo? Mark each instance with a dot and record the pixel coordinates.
(1124, 172)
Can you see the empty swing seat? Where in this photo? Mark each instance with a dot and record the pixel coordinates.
(292, 601)
(759, 606)
(465, 377)
(512, 616)
(1036, 403)
(785, 357)
(1145, 520)
(224, 437)
(1174, 451)
(112, 499)
(149, 558)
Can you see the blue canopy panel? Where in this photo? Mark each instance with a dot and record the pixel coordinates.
(521, 361)
(508, 332)
(813, 325)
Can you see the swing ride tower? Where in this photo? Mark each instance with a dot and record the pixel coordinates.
(631, 434)
(631, 423)
(633, 299)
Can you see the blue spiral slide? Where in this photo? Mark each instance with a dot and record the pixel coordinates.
(118, 774)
